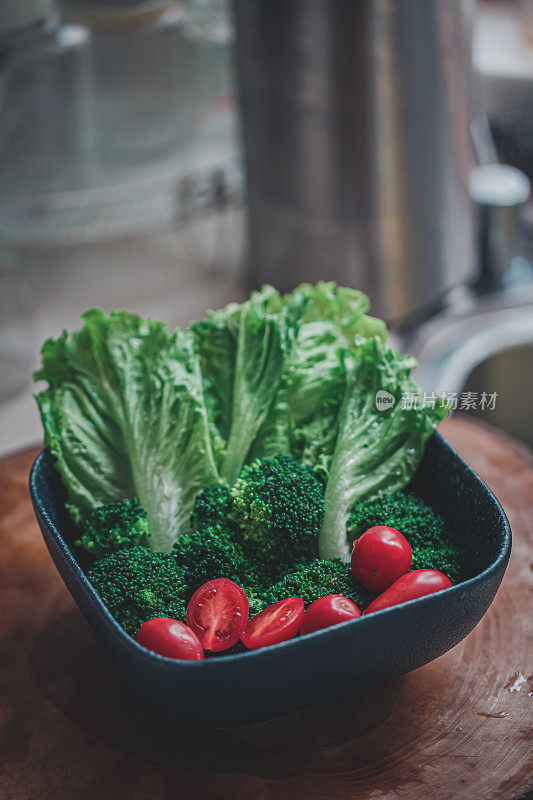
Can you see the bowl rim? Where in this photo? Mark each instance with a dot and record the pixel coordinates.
(149, 656)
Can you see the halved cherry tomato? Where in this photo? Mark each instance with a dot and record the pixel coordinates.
(170, 638)
(379, 557)
(218, 613)
(328, 610)
(414, 584)
(277, 623)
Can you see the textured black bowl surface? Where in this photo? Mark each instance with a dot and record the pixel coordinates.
(250, 687)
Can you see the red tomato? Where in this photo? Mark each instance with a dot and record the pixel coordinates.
(379, 557)
(218, 613)
(328, 610)
(170, 638)
(410, 586)
(274, 624)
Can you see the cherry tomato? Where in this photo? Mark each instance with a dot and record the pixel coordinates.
(218, 613)
(277, 623)
(379, 557)
(170, 638)
(410, 586)
(328, 610)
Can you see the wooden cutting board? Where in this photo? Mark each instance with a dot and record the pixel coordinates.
(72, 729)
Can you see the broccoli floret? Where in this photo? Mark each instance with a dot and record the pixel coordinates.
(212, 552)
(444, 557)
(256, 603)
(211, 507)
(424, 529)
(212, 548)
(137, 585)
(113, 526)
(278, 506)
(316, 579)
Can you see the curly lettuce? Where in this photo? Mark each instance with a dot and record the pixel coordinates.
(242, 350)
(124, 416)
(380, 438)
(303, 415)
(134, 410)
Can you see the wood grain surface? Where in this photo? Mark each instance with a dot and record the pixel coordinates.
(72, 729)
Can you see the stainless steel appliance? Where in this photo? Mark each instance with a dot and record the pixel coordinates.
(356, 126)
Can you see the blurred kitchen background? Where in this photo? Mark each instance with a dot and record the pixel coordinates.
(168, 156)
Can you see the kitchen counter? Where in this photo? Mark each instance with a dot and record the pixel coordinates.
(71, 728)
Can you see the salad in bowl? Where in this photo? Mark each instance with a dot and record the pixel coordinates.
(248, 480)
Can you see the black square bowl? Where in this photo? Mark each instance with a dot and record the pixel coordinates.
(250, 687)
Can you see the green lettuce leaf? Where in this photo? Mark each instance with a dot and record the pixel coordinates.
(380, 438)
(124, 416)
(132, 410)
(302, 419)
(242, 351)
